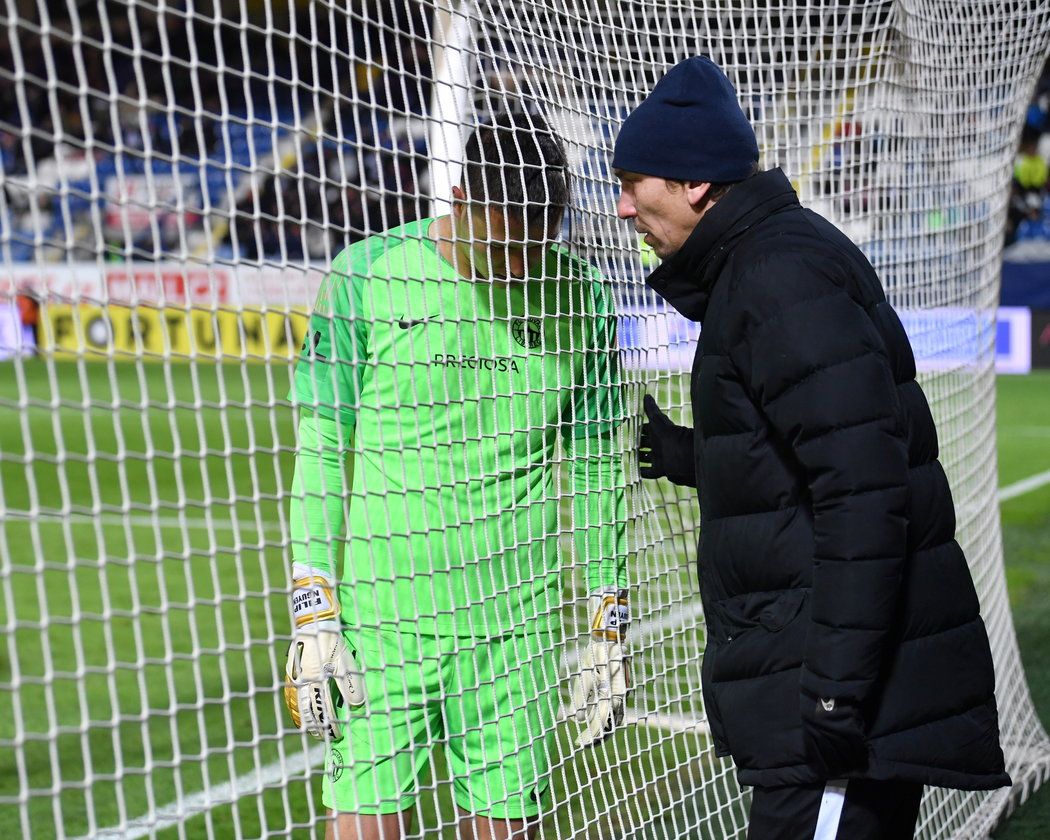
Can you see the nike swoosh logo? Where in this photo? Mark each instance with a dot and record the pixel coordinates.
(412, 322)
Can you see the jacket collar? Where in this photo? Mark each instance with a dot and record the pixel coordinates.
(685, 280)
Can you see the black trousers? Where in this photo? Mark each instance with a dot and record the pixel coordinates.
(853, 809)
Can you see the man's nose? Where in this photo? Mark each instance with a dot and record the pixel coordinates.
(625, 207)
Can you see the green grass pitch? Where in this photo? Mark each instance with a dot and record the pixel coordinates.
(192, 600)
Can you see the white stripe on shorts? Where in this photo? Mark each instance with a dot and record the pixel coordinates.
(831, 810)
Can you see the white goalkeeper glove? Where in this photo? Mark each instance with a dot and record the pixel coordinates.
(322, 676)
(599, 693)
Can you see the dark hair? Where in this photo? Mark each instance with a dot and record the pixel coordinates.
(519, 162)
(716, 190)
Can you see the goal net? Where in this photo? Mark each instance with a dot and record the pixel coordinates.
(177, 177)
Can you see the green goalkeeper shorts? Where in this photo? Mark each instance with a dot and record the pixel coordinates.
(492, 703)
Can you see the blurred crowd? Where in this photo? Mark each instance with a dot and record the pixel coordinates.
(1029, 213)
(215, 137)
(60, 149)
(335, 190)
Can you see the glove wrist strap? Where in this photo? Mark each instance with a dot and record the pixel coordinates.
(313, 598)
(611, 614)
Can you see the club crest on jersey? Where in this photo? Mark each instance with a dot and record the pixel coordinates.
(338, 765)
(526, 332)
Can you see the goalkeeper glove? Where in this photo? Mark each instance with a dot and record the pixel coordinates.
(599, 693)
(322, 676)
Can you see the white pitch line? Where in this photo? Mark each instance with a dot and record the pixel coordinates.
(658, 720)
(1025, 431)
(194, 523)
(280, 771)
(1027, 485)
(669, 721)
(277, 772)
(1010, 491)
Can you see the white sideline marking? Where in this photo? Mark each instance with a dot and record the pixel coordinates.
(190, 523)
(658, 720)
(1026, 431)
(674, 723)
(1010, 491)
(668, 721)
(272, 774)
(1005, 494)
(1025, 485)
(279, 772)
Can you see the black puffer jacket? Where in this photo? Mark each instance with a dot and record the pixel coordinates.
(827, 559)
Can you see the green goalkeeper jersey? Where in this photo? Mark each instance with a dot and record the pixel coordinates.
(455, 393)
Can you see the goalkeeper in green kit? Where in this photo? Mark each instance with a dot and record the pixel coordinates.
(445, 362)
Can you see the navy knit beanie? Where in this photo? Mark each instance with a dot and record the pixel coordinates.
(690, 128)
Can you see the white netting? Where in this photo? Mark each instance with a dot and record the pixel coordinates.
(176, 179)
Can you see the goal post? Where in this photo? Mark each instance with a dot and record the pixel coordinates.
(177, 180)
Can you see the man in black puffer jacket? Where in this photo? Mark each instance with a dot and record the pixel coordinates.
(847, 664)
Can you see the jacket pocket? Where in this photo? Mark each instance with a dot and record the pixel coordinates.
(772, 611)
(753, 682)
(764, 632)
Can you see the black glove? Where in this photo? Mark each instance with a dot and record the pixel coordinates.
(833, 734)
(665, 448)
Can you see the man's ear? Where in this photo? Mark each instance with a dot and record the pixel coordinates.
(696, 191)
(459, 201)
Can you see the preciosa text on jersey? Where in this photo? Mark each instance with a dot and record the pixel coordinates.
(502, 363)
